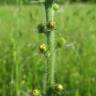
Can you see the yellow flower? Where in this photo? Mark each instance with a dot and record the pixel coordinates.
(43, 48)
(36, 92)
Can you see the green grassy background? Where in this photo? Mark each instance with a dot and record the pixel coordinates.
(22, 65)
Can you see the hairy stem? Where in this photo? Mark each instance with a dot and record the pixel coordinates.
(50, 35)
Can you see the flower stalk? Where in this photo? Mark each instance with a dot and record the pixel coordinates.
(50, 38)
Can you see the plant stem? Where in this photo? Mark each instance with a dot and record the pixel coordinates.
(15, 53)
(16, 64)
(50, 35)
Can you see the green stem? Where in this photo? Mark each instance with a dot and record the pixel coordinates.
(49, 17)
(15, 53)
(16, 64)
(50, 35)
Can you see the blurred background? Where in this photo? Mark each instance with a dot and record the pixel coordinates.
(59, 1)
(21, 63)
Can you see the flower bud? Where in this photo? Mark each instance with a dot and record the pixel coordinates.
(58, 87)
(43, 48)
(36, 92)
(61, 42)
(56, 7)
(51, 26)
(41, 28)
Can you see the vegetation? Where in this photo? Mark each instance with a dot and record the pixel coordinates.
(22, 64)
(28, 1)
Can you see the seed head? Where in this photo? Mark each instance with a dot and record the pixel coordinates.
(36, 92)
(43, 48)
